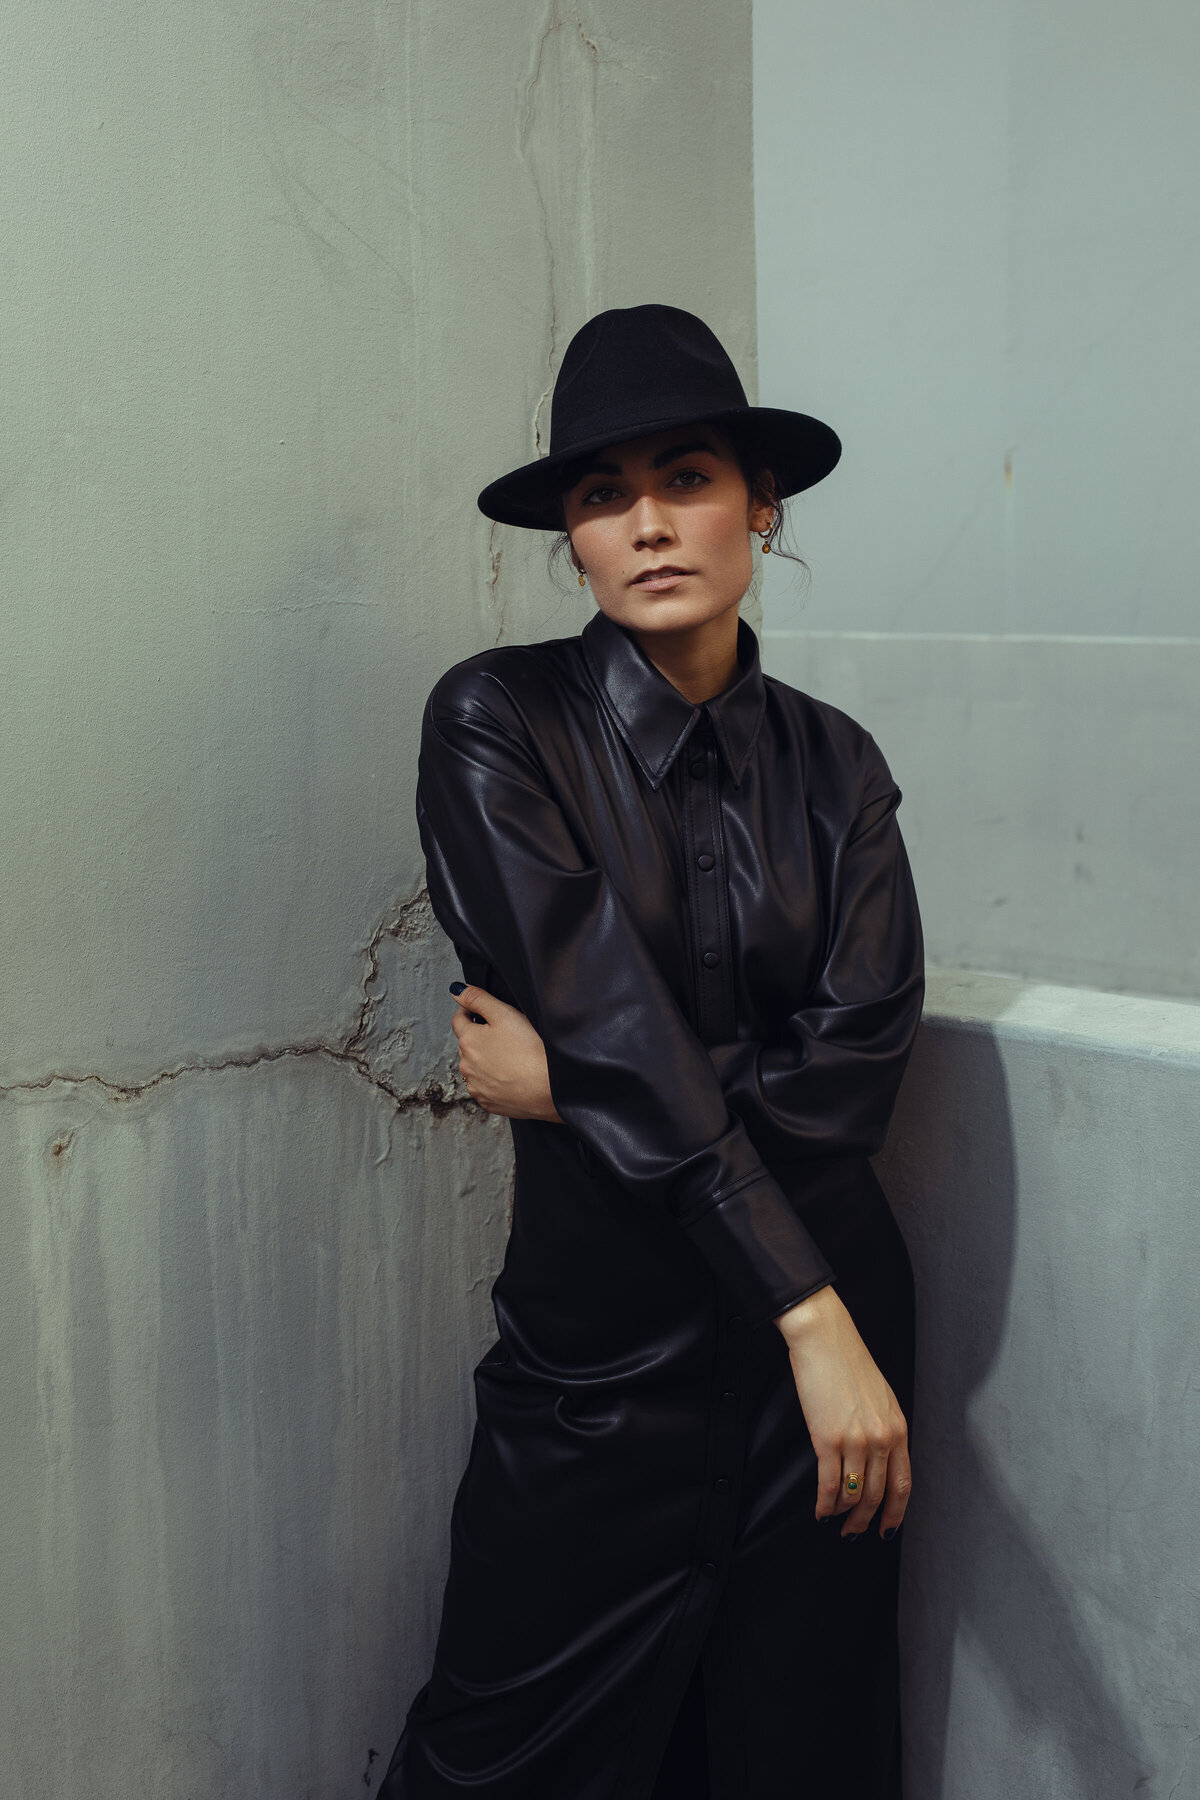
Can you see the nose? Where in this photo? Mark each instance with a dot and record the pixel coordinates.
(650, 523)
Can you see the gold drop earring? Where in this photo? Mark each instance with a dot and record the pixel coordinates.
(582, 576)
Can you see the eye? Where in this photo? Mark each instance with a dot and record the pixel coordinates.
(700, 478)
(597, 496)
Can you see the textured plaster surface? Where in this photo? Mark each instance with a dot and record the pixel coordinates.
(1042, 1165)
(238, 1314)
(285, 285)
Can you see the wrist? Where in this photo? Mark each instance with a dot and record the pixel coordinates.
(808, 1316)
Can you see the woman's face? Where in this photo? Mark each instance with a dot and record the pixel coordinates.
(677, 501)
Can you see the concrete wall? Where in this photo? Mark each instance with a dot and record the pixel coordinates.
(1043, 1168)
(1051, 806)
(284, 285)
(977, 257)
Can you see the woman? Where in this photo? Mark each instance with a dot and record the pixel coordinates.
(681, 901)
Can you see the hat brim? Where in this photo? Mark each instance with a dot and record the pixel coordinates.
(800, 450)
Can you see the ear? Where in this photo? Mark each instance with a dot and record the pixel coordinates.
(762, 501)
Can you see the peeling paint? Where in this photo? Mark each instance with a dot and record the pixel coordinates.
(59, 1146)
(408, 922)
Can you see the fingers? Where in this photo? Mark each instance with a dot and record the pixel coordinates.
(864, 1482)
(885, 1480)
(829, 1479)
(899, 1487)
(475, 1004)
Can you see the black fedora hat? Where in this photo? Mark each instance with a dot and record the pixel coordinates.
(638, 369)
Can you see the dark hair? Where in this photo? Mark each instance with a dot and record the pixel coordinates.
(756, 472)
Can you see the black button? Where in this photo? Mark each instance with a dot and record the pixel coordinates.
(706, 861)
(699, 769)
(710, 959)
(728, 1397)
(736, 1319)
(708, 1569)
(722, 1484)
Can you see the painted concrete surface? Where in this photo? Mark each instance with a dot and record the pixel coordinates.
(1042, 1166)
(239, 1310)
(1051, 807)
(977, 259)
(238, 1315)
(284, 286)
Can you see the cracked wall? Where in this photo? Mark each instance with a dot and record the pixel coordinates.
(285, 287)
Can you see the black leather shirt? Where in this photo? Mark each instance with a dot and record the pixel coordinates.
(707, 912)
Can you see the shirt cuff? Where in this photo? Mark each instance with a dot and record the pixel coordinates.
(759, 1247)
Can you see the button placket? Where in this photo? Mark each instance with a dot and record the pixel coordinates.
(707, 899)
(715, 1022)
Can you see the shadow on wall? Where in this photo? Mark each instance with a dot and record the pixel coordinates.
(1001, 1680)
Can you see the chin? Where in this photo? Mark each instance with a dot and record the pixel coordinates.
(666, 612)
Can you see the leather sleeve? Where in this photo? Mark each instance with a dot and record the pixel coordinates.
(828, 1091)
(508, 883)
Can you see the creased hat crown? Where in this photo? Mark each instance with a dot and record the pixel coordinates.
(634, 366)
(639, 369)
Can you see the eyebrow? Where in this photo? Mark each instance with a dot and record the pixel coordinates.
(671, 454)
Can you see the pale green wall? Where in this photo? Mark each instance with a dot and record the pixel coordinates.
(977, 257)
(1042, 1165)
(978, 254)
(283, 286)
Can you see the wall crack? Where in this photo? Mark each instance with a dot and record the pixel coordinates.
(402, 923)
(439, 1093)
(438, 1097)
(524, 135)
(495, 558)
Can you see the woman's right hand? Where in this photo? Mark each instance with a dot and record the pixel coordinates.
(853, 1417)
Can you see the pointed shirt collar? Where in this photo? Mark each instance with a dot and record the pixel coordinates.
(652, 715)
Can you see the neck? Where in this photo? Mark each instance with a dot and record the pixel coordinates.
(701, 661)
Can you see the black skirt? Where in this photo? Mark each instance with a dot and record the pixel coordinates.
(640, 1603)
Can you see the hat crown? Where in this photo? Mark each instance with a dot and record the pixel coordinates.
(637, 370)
(635, 365)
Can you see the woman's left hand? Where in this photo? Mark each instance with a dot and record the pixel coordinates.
(503, 1062)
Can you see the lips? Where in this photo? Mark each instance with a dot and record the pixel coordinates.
(658, 574)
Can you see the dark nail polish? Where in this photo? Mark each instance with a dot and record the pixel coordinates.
(891, 1531)
(849, 1537)
(457, 987)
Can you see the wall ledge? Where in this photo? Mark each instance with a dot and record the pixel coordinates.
(1012, 1006)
